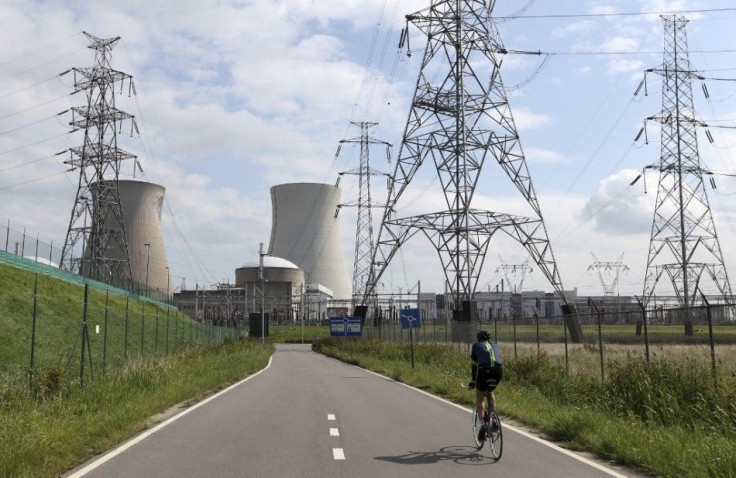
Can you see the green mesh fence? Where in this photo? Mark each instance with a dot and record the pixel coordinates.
(55, 322)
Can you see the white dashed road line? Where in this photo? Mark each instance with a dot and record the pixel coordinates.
(337, 453)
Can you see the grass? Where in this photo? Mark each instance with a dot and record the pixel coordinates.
(665, 418)
(118, 328)
(140, 359)
(293, 333)
(48, 436)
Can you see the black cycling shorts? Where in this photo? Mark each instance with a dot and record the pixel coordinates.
(488, 378)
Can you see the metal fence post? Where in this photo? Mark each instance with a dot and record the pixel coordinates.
(567, 351)
(155, 335)
(712, 343)
(646, 331)
(127, 320)
(104, 334)
(143, 325)
(33, 331)
(539, 352)
(513, 321)
(84, 337)
(600, 336)
(495, 327)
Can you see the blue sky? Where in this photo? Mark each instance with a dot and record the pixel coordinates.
(235, 97)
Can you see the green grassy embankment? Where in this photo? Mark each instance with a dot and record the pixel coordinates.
(44, 437)
(142, 359)
(665, 418)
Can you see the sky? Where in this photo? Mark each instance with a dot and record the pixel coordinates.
(234, 97)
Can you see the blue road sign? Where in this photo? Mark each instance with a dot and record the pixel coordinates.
(410, 319)
(346, 326)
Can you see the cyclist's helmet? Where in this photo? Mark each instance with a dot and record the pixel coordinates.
(483, 336)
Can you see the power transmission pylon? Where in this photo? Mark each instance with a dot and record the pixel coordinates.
(364, 242)
(684, 243)
(521, 269)
(615, 267)
(97, 217)
(458, 119)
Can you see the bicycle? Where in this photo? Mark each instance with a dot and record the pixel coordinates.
(490, 429)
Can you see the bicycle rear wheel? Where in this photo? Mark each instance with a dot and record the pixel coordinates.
(494, 436)
(476, 430)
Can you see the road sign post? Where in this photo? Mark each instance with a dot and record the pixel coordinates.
(410, 320)
(346, 326)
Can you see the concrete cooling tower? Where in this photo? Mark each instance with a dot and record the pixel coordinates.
(306, 232)
(141, 203)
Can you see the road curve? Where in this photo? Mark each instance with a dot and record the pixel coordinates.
(307, 415)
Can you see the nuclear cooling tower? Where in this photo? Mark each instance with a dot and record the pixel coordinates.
(141, 204)
(306, 232)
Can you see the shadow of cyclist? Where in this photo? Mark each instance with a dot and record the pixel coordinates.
(463, 455)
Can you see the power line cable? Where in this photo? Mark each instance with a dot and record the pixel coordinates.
(619, 14)
(24, 55)
(12, 150)
(24, 110)
(32, 180)
(26, 163)
(17, 128)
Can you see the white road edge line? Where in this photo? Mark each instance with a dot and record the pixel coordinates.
(338, 454)
(334, 432)
(520, 432)
(117, 451)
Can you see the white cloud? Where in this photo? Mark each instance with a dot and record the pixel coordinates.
(235, 97)
(616, 208)
(542, 155)
(527, 119)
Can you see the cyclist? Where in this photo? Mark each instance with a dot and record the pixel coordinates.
(486, 366)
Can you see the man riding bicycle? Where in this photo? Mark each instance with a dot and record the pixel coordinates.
(486, 371)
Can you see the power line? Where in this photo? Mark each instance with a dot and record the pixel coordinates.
(32, 180)
(594, 53)
(620, 14)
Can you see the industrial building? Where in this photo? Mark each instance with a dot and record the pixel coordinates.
(278, 292)
(224, 305)
(305, 231)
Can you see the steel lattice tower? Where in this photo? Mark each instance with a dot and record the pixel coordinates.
(457, 120)
(97, 218)
(609, 289)
(522, 269)
(684, 243)
(364, 242)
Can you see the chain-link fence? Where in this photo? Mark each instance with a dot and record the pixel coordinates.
(80, 332)
(29, 252)
(704, 335)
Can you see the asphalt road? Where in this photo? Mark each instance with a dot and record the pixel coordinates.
(307, 415)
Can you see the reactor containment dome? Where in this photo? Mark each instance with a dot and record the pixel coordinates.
(306, 232)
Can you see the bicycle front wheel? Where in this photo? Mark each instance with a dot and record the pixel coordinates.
(495, 436)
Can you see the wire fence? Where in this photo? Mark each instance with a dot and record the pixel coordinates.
(78, 337)
(704, 336)
(30, 252)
